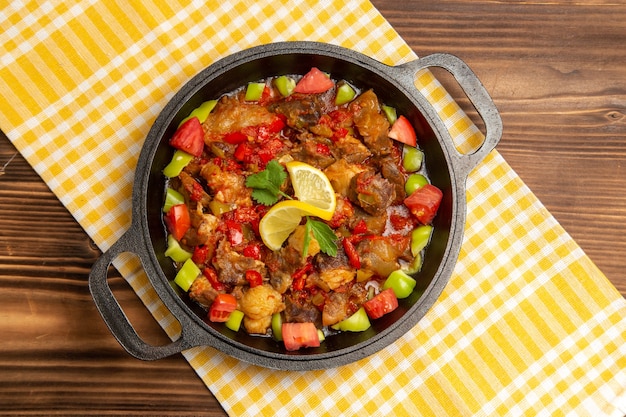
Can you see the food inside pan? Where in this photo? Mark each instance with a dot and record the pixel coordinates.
(297, 207)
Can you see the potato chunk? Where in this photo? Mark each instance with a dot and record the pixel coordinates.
(261, 301)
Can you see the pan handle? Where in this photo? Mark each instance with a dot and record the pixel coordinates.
(114, 316)
(476, 93)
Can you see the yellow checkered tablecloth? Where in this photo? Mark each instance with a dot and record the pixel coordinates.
(527, 324)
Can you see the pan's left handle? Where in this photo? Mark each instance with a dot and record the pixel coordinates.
(112, 312)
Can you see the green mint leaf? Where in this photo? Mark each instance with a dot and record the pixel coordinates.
(266, 184)
(324, 235)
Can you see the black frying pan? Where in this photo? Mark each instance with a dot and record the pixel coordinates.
(447, 168)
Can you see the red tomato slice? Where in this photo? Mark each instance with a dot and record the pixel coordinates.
(298, 335)
(383, 303)
(314, 81)
(178, 221)
(402, 131)
(189, 137)
(424, 203)
(222, 306)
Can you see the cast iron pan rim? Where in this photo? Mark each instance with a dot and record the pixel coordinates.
(273, 359)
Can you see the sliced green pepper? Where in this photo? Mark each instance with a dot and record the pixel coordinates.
(401, 283)
(357, 322)
(234, 320)
(420, 238)
(285, 85)
(416, 264)
(390, 112)
(172, 198)
(345, 93)
(414, 182)
(187, 274)
(218, 208)
(201, 112)
(254, 91)
(320, 335)
(412, 158)
(175, 251)
(277, 326)
(179, 161)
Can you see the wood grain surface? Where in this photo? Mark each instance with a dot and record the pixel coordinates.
(557, 73)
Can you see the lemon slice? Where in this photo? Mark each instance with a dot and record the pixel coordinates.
(282, 219)
(310, 185)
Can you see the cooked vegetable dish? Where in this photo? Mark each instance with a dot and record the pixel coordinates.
(297, 207)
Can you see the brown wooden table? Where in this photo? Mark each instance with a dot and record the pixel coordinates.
(557, 73)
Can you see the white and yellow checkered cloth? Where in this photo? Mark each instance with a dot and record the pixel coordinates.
(527, 325)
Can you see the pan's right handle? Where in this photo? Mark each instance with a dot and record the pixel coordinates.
(112, 313)
(476, 93)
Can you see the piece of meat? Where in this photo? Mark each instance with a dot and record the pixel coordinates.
(301, 110)
(227, 187)
(203, 229)
(194, 190)
(281, 265)
(380, 255)
(371, 124)
(202, 292)
(300, 310)
(370, 191)
(390, 170)
(344, 212)
(232, 114)
(340, 175)
(375, 224)
(231, 266)
(334, 271)
(341, 305)
(351, 149)
(313, 150)
(205, 226)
